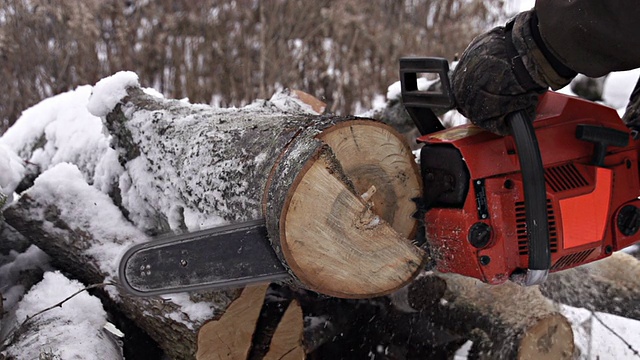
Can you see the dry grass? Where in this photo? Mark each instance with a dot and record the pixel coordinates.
(227, 52)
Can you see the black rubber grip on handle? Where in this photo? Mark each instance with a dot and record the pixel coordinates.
(420, 104)
(535, 194)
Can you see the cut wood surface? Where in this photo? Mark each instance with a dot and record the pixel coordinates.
(236, 333)
(334, 238)
(286, 343)
(230, 336)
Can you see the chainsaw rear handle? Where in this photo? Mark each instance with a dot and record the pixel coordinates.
(535, 199)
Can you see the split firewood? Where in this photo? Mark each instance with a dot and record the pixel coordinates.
(248, 330)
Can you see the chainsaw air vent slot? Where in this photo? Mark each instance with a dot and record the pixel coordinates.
(521, 228)
(564, 177)
(570, 260)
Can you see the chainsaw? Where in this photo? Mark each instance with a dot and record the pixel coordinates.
(560, 191)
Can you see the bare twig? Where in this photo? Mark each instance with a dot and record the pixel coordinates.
(93, 286)
(635, 352)
(20, 329)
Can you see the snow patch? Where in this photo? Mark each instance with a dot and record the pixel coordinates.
(602, 336)
(73, 330)
(108, 92)
(190, 312)
(29, 128)
(11, 172)
(153, 92)
(618, 87)
(287, 101)
(58, 129)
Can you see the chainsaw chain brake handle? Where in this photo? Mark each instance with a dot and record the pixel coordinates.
(421, 103)
(535, 199)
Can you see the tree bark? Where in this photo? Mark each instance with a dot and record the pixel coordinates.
(610, 285)
(507, 321)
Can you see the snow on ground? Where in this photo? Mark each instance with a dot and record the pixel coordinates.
(603, 336)
(618, 87)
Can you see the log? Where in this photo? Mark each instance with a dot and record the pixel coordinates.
(89, 249)
(336, 191)
(164, 318)
(610, 285)
(505, 321)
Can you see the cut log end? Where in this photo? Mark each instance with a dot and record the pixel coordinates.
(549, 338)
(346, 224)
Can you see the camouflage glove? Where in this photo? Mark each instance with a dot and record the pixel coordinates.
(503, 71)
(631, 115)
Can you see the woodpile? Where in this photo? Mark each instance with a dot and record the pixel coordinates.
(336, 193)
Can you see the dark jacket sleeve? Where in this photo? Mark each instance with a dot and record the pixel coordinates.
(592, 37)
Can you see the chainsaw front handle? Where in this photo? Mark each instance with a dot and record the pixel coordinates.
(535, 199)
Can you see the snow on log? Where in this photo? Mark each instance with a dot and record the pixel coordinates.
(75, 329)
(85, 234)
(610, 285)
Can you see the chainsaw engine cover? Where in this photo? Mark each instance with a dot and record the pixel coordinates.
(444, 175)
(476, 223)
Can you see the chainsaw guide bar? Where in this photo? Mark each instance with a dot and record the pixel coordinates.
(218, 258)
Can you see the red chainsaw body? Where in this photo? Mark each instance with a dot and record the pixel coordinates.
(584, 200)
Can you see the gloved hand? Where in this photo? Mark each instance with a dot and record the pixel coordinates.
(631, 115)
(505, 70)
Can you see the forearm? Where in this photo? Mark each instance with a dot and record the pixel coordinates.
(592, 37)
